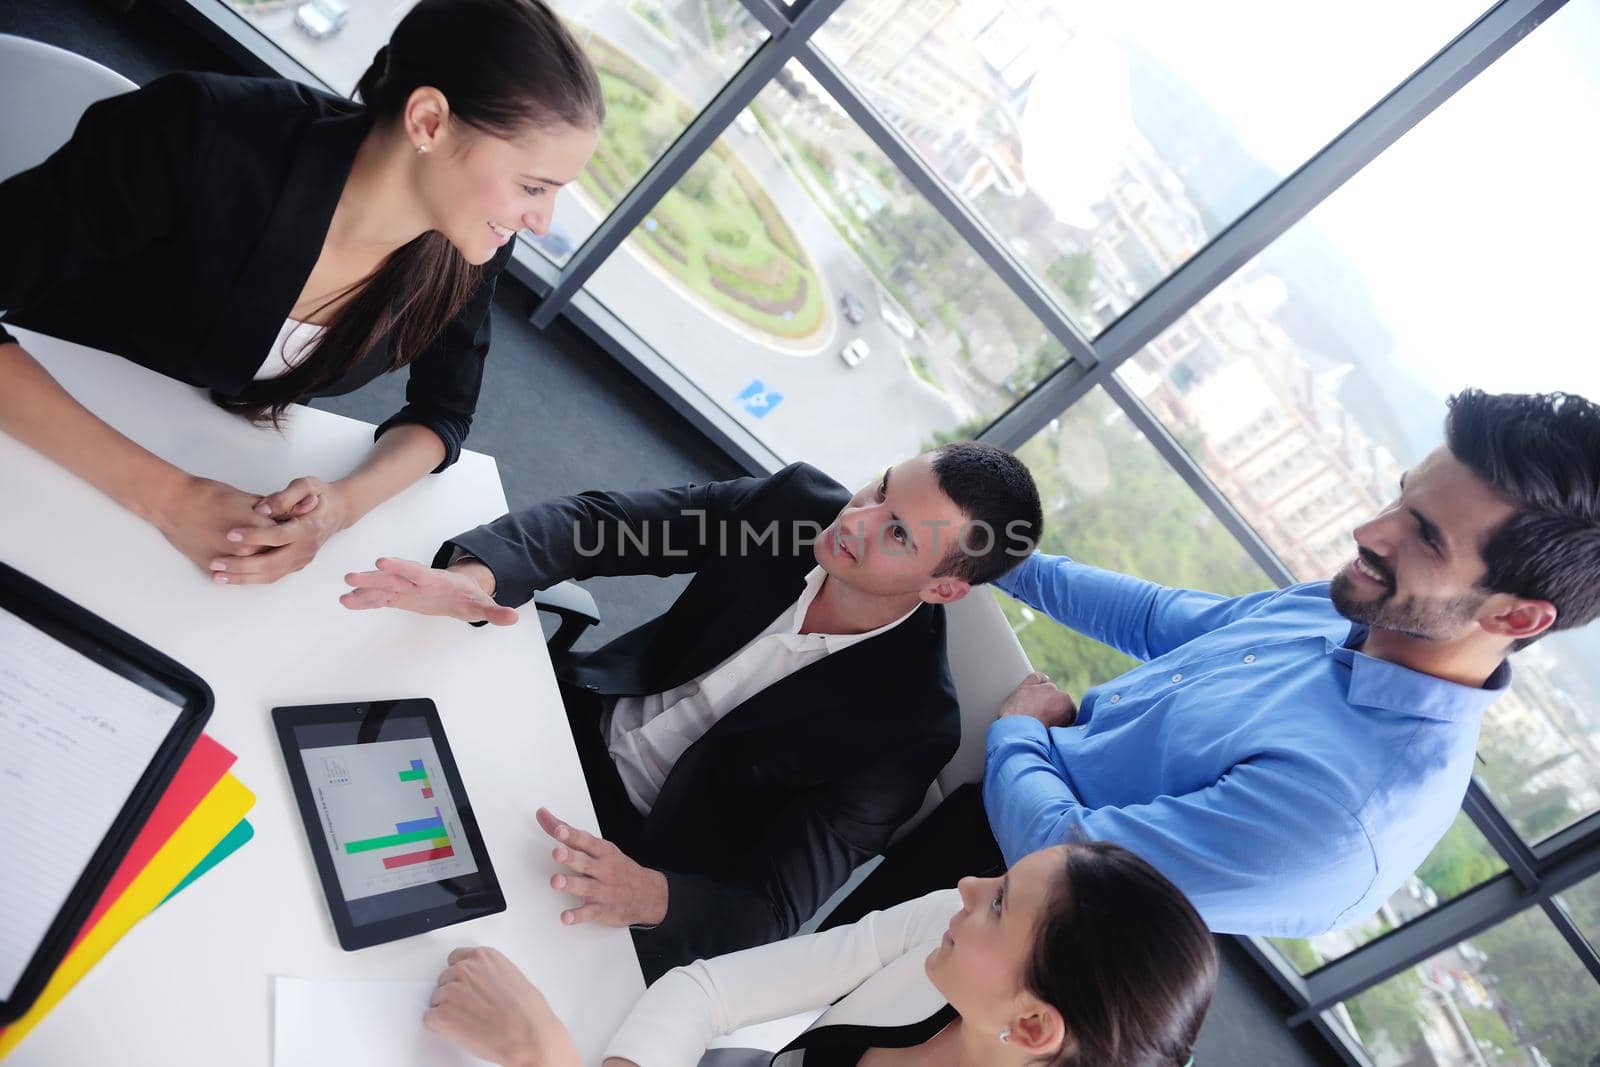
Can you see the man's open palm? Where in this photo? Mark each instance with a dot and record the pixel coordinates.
(409, 586)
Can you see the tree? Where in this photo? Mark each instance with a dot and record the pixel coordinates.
(1460, 860)
(1535, 812)
(1487, 1025)
(1544, 986)
(965, 432)
(1299, 953)
(1111, 501)
(1392, 1009)
(1071, 275)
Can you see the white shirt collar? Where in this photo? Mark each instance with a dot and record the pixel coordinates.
(834, 642)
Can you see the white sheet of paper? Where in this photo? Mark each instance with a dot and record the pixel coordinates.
(75, 738)
(319, 1023)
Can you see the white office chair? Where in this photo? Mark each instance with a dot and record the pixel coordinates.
(986, 664)
(43, 92)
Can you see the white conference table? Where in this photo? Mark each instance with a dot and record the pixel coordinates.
(192, 983)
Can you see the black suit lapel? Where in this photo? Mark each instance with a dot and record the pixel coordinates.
(749, 607)
(271, 280)
(786, 713)
(818, 686)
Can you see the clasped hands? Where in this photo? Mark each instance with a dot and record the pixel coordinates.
(245, 539)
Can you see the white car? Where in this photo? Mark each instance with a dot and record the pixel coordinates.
(899, 323)
(321, 18)
(855, 352)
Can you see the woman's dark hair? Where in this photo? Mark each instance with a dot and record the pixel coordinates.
(1543, 451)
(504, 66)
(995, 491)
(1125, 959)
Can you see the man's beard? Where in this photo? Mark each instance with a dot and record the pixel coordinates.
(1438, 619)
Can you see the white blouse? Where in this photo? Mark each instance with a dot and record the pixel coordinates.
(289, 349)
(869, 973)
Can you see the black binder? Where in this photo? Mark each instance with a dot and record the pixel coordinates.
(97, 640)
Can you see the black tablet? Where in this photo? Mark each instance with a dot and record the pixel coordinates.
(389, 822)
(93, 725)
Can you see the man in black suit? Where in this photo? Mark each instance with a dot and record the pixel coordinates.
(750, 747)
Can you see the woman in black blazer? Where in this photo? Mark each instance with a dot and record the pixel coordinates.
(272, 243)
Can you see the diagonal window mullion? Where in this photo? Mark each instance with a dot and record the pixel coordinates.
(675, 162)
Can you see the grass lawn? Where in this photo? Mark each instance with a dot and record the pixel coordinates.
(654, 17)
(717, 231)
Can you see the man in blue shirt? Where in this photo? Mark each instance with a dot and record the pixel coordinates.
(1289, 758)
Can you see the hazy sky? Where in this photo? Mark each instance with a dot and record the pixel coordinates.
(1479, 231)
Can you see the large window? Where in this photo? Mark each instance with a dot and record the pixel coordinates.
(1513, 996)
(1110, 500)
(1582, 903)
(797, 277)
(1104, 141)
(659, 64)
(1313, 377)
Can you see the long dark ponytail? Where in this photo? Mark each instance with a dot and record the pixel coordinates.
(503, 65)
(1125, 959)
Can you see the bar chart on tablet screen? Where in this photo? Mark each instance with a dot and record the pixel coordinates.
(388, 815)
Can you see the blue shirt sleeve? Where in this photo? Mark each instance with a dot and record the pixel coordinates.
(1238, 849)
(1142, 619)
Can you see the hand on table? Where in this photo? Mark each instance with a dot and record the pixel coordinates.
(615, 890)
(401, 583)
(1038, 699)
(197, 518)
(487, 1006)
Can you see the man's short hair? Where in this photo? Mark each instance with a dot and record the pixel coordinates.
(996, 493)
(1543, 451)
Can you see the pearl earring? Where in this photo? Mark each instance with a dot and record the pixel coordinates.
(422, 149)
(1005, 1033)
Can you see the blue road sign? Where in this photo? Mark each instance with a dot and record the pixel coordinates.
(758, 400)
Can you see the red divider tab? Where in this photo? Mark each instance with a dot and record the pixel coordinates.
(199, 772)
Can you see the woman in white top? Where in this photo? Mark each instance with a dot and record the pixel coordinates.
(1081, 956)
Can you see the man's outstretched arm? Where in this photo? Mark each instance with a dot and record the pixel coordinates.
(1142, 619)
(1258, 851)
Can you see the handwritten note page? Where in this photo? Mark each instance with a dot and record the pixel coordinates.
(74, 740)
